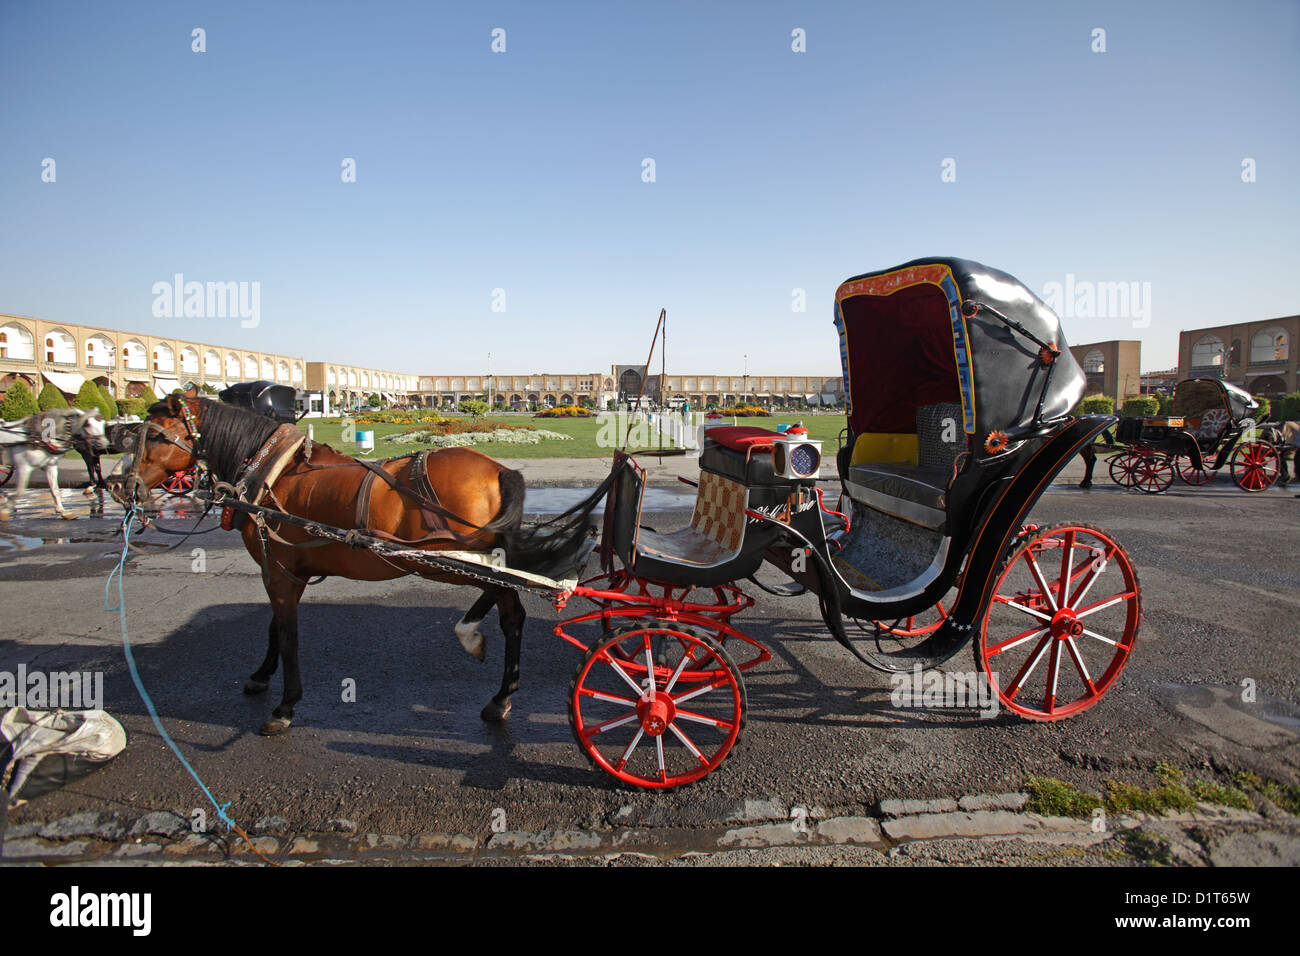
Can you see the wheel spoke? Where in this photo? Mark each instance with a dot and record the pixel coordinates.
(1067, 564)
(1011, 642)
(1080, 666)
(636, 688)
(611, 724)
(1020, 607)
(601, 695)
(1028, 667)
(1105, 603)
(622, 761)
(687, 743)
(703, 719)
(1038, 577)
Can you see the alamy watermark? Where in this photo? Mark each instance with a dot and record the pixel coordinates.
(51, 690)
(937, 689)
(1085, 299)
(208, 300)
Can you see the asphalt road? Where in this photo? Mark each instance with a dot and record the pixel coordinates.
(1220, 577)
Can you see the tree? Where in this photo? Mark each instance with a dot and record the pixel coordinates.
(148, 396)
(474, 407)
(374, 401)
(50, 397)
(88, 397)
(18, 402)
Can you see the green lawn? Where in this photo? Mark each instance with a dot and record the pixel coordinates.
(585, 432)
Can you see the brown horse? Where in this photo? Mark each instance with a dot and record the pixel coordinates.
(471, 502)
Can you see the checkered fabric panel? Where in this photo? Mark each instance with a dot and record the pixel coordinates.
(931, 423)
(720, 511)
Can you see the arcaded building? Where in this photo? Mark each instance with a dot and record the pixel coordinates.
(1114, 368)
(124, 363)
(1257, 356)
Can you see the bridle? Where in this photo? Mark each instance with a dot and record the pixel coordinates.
(148, 427)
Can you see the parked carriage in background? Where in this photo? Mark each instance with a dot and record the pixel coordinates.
(1209, 426)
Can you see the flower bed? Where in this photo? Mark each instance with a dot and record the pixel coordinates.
(745, 411)
(463, 438)
(462, 426)
(565, 411)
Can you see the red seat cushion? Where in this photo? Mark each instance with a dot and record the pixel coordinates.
(742, 437)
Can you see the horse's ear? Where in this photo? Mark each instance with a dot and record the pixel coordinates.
(174, 404)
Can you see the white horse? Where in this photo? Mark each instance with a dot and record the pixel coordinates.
(39, 441)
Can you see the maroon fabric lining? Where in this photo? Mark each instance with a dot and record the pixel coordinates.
(900, 357)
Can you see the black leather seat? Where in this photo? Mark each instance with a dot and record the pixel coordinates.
(918, 495)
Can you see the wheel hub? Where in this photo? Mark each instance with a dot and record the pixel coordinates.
(1066, 624)
(656, 714)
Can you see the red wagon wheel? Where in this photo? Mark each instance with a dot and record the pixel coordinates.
(179, 483)
(1153, 473)
(1255, 465)
(1121, 468)
(1054, 640)
(657, 706)
(1189, 473)
(6, 470)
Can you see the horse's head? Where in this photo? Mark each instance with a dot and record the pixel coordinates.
(167, 441)
(91, 429)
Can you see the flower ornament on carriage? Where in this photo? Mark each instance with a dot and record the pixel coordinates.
(996, 442)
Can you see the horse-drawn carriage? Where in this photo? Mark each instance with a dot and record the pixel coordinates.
(960, 390)
(1209, 426)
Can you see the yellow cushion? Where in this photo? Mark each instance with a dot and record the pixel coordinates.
(885, 448)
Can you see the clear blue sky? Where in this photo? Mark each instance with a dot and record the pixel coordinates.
(522, 170)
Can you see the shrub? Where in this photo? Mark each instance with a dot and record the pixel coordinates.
(133, 406)
(148, 396)
(374, 401)
(1141, 406)
(50, 397)
(107, 404)
(88, 397)
(18, 402)
(474, 407)
(1288, 408)
(1097, 405)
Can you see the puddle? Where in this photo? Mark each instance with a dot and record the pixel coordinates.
(1264, 722)
(549, 501)
(18, 542)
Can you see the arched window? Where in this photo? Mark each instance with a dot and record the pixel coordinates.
(1208, 352)
(16, 343)
(1094, 361)
(60, 348)
(1269, 345)
(164, 359)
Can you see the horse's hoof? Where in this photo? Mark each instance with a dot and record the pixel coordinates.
(67, 517)
(275, 726)
(1085, 485)
(494, 712)
(252, 686)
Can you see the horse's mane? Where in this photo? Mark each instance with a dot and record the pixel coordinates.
(230, 435)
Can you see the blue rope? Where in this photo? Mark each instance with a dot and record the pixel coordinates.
(120, 607)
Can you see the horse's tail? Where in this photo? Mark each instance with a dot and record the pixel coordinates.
(511, 514)
(550, 546)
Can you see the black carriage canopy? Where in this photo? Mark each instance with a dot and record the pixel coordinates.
(913, 361)
(266, 398)
(1193, 397)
